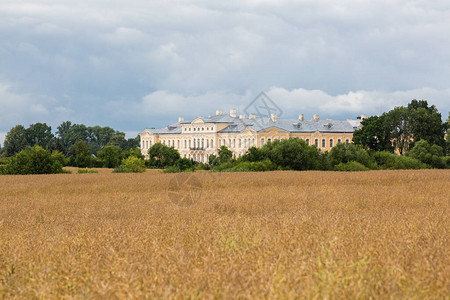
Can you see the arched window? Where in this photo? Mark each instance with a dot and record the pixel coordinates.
(331, 143)
(212, 143)
(240, 145)
(323, 143)
(207, 143)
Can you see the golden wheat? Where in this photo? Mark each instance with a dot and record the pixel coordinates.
(378, 234)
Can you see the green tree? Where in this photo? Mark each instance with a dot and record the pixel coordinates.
(374, 134)
(35, 160)
(15, 140)
(39, 134)
(111, 156)
(432, 155)
(81, 155)
(293, 154)
(225, 154)
(343, 154)
(162, 156)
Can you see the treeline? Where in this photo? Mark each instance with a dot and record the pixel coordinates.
(36, 150)
(67, 134)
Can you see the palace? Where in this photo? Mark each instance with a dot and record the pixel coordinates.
(202, 137)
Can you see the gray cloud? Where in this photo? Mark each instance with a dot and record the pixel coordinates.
(140, 63)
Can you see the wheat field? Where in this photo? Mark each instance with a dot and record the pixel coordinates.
(277, 235)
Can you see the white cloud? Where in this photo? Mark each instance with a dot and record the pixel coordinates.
(292, 102)
(313, 56)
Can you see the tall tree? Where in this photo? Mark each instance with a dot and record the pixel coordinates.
(15, 140)
(374, 134)
(39, 134)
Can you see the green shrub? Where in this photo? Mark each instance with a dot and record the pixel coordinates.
(33, 160)
(85, 171)
(390, 161)
(350, 167)
(131, 164)
(343, 153)
(247, 166)
(431, 155)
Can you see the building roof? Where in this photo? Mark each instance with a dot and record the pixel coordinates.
(237, 125)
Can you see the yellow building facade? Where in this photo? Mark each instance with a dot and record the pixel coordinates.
(202, 137)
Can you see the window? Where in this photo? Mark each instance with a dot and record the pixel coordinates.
(229, 143)
(189, 144)
(245, 143)
(178, 143)
(307, 141)
(203, 143)
(234, 143)
(262, 142)
(331, 143)
(212, 143)
(164, 142)
(253, 143)
(184, 144)
(146, 143)
(347, 141)
(269, 140)
(339, 141)
(316, 142)
(220, 142)
(323, 143)
(194, 128)
(207, 143)
(240, 145)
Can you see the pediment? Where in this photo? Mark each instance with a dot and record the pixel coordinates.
(274, 129)
(198, 121)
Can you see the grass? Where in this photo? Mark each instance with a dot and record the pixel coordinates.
(355, 235)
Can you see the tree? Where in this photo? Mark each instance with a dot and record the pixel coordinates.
(344, 154)
(293, 154)
(35, 160)
(15, 140)
(162, 156)
(111, 156)
(225, 154)
(39, 134)
(402, 127)
(426, 123)
(432, 155)
(374, 134)
(81, 155)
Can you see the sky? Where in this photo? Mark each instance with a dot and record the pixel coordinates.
(140, 64)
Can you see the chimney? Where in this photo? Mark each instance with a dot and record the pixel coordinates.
(251, 117)
(242, 117)
(233, 112)
(301, 117)
(273, 117)
(316, 117)
(218, 112)
(180, 119)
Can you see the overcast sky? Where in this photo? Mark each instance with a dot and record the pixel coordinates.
(137, 64)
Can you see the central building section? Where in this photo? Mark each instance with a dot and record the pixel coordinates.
(202, 137)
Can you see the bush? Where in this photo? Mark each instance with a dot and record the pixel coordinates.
(131, 164)
(431, 155)
(293, 154)
(247, 166)
(390, 161)
(85, 171)
(162, 156)
(350, 167)
(342, 154)
(33, 160)
(181, 165)
(111, 156)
